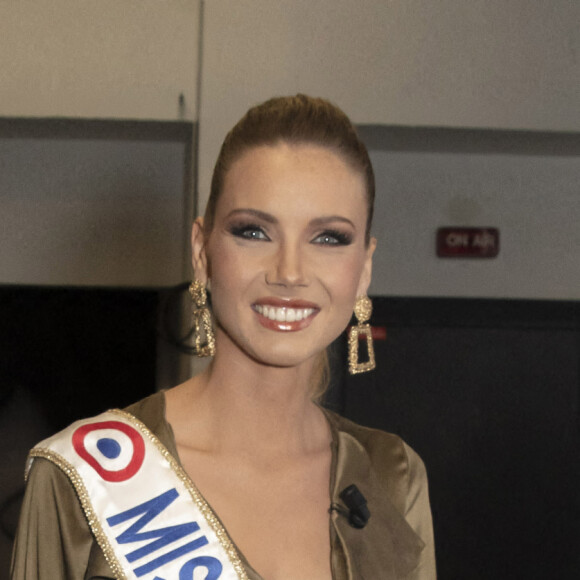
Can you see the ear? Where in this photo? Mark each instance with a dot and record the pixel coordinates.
(198, 253)
(367, 271)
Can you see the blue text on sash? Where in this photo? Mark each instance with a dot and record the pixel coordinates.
(163, 537)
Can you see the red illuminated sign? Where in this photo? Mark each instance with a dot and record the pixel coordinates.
(377, 332)
(467, 242)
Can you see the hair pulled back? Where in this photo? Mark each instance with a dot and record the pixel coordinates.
(299, 120)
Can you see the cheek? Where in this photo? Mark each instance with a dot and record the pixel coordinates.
(343, 281)
(225, 264)
(229, 276)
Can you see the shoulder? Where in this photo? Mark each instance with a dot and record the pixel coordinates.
(398, 540)
(377, 443)
(52, 520)
(53, 523)
(70, 442)
(150, 410)
(373, 440)
(393, 462)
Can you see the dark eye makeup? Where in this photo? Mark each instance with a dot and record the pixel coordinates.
(248, 231)
(333, 237)
(254, 231)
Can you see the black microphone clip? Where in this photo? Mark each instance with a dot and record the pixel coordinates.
(358, 512)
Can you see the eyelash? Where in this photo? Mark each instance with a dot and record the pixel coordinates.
(245, 231)
(330, 237)
(341, 238)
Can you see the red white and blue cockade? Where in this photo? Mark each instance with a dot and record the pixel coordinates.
(113, 449)
(146, 514)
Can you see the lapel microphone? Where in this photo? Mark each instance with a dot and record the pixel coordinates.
(358, 512)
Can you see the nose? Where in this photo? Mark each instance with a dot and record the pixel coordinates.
(288, 267)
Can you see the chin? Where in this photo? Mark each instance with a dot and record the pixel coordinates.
(281, 355)
(282, 360)
(284, 350)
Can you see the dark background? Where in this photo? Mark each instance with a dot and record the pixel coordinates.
(65, 354)
(486, 391)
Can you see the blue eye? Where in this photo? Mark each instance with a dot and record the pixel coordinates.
(249, 232)
(333, 238)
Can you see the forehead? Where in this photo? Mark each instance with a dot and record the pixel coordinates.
(293, 174)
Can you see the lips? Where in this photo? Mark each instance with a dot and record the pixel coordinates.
(285, 315)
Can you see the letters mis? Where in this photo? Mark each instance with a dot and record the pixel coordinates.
(162, 537)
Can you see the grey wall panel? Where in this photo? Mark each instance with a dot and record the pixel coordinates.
(524, 183)
(94, 203)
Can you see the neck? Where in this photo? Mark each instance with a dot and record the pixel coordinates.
(242, 406)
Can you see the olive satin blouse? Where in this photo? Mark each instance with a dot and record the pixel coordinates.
(54, 541)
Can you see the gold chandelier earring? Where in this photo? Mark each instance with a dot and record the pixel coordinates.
(363, 308)
(203, 336)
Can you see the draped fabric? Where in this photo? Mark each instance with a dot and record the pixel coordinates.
(54, 541)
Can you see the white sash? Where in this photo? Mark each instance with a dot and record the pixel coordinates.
(145, 512)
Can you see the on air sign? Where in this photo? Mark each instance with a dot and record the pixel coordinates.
(467, 242)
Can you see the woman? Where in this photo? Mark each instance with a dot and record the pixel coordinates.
(285, 249)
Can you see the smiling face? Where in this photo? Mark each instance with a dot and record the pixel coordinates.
(286, 256)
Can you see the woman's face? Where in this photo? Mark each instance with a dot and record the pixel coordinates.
(286, 257)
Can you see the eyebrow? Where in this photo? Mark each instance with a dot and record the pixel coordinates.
(256, 213)
(321, 221)
(269, 218)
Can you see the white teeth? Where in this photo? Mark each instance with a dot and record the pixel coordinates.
(283, 314)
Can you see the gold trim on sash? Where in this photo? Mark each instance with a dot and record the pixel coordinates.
(92, 518)
(87, 506)
(196, 496)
